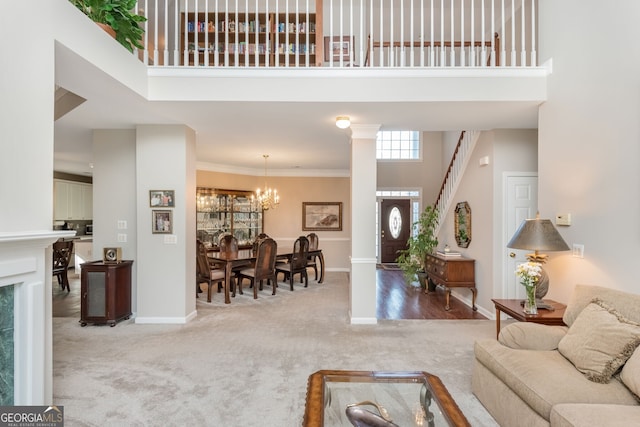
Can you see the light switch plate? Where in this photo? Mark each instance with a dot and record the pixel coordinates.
(122, 237)
(171, 239)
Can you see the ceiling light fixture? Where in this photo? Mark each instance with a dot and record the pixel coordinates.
(343, 122)
(267, 198)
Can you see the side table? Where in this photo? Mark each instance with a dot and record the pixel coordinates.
(513, 308)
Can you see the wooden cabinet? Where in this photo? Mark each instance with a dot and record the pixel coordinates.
(221, 212)
(251, 39)
(452, 272)
(105, 292)
(72, 200)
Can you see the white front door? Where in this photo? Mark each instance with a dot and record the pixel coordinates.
(521, 203)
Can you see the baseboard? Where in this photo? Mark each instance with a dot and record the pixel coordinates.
(364, 320)
(167, 320)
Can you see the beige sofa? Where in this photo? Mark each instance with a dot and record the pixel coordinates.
(530, 376)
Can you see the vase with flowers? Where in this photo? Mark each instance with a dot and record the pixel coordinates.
(529, 274)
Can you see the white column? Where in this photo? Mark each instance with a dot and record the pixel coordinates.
(362, 296)
(165, 160)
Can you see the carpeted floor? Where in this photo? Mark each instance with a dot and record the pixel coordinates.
(247, 363)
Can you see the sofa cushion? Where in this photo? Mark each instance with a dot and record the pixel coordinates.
(531, 336)
(630, 374)
(572, 415)
(600, 341)
(626, 303)
(545, 378)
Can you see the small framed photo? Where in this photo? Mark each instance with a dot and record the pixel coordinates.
(338, 47)
(161, 198)
(162, 222)
(322, 216)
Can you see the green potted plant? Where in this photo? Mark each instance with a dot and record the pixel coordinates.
(412, 260)
(119, 16)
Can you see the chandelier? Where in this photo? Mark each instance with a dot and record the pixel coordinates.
(267, 198)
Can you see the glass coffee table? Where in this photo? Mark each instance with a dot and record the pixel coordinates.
(376, 398)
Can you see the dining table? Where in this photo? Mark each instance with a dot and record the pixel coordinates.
(244, 257)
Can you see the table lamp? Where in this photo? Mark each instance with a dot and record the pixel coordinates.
(538, 235)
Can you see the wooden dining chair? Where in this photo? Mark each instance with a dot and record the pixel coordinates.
(311, 260)
(298, 262)
(62, 251)
(205, 272)
(263, 269)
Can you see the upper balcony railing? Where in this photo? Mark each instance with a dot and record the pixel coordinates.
(339, 33)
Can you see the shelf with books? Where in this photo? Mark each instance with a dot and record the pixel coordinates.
(246, 38)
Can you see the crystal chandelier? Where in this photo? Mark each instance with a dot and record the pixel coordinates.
(267, 198)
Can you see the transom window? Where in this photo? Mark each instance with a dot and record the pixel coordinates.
(398, 145)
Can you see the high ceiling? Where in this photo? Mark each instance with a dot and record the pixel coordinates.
(297, 132)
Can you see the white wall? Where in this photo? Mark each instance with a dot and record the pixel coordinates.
(589, 139)
(114, 196)
(165, 160)
(481, 187)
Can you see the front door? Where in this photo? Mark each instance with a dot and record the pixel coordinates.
(395, 227)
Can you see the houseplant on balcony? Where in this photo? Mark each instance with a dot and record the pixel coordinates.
(119, 16)
(412, 260)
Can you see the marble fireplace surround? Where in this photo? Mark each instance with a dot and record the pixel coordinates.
(25, 263)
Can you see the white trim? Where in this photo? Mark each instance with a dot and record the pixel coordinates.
(166, 320)
(238, 170)
(362, 260)
(363, 320)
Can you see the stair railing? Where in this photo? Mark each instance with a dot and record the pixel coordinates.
(451, 181)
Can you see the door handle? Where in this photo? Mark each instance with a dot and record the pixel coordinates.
(512, 255)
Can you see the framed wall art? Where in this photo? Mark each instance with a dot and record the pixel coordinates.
(161, 198)
(319, 216)
(463, 224)
(162, 222)
(338, 47)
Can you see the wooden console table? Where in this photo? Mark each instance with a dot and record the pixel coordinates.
(452, 272)
(513, 308)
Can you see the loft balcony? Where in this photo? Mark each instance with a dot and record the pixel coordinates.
(382, 34)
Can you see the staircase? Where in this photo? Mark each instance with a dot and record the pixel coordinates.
(459, 161)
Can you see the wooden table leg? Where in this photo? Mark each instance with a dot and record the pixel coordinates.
(227, 282)
(497, 322)
(448, 295)
(321, 267)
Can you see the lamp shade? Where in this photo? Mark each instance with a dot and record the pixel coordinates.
(538, 235)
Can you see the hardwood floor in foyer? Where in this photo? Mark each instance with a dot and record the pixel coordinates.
(395, 300)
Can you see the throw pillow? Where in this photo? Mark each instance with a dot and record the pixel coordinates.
(600, 341)
(630, 374)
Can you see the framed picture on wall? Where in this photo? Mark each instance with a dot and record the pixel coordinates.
(337, 47)
(162, 222)
(319, 216)
(161, 198)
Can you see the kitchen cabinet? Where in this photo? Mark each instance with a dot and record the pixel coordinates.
(72, 200)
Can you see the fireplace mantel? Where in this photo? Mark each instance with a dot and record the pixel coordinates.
(25, 263)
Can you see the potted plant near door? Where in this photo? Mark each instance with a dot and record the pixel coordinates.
(412, 260)
(118, 15)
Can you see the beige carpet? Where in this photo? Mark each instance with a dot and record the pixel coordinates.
(247, 363)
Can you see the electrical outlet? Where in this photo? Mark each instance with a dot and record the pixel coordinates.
(122, 224)
(578, 250)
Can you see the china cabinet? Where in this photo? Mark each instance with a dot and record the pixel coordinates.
(220, 212)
